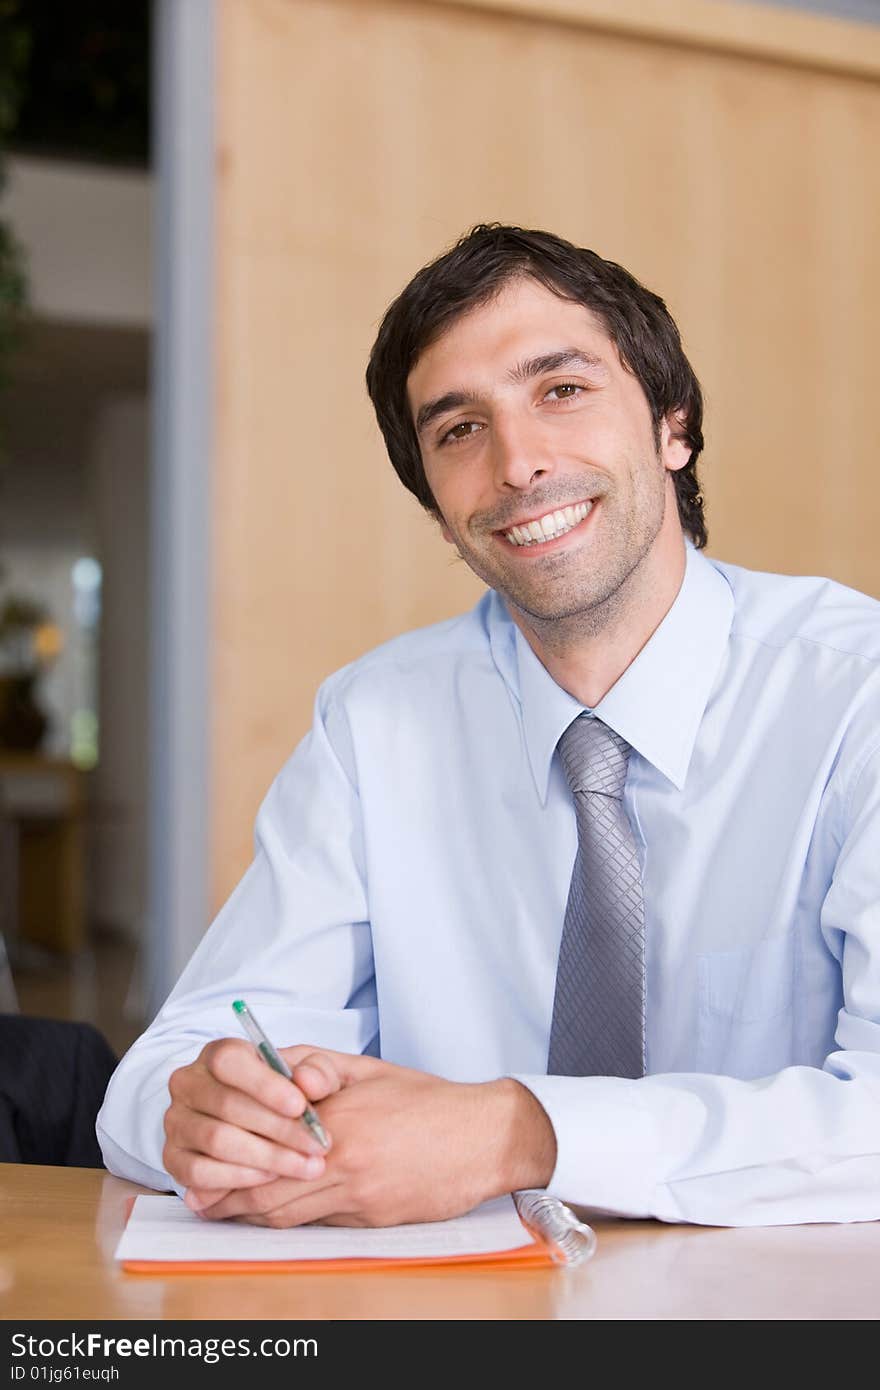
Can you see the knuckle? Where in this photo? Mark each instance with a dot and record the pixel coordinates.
(290, 1102)
(225, 1106)
(255, 1200)
(222, 1109)
(213, 1136)
(221, 1057)
(199, 1172)
(314, 1058)
(322, 1065)
(177, 1083)
(175, 1131)
(179, 1164)
(276, 1128)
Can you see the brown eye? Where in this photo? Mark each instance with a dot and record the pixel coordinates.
(565, 390)
(463, 430)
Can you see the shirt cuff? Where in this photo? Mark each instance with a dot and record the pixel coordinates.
(607, 1147)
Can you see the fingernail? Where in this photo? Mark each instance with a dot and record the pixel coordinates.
(313, 1167)
(192, 1201)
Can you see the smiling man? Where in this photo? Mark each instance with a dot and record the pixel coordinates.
(552, 479)
(578, 890)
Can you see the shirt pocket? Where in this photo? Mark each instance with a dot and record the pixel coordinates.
(746, 1008)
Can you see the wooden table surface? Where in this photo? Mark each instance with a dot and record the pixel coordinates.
(59, 1228)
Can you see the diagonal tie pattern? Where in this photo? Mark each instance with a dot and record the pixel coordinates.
(598, 1024)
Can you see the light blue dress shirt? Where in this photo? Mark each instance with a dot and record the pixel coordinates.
(412, 866)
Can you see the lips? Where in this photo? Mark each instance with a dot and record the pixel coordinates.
(547, 530)
(549, 526)
(545, 512)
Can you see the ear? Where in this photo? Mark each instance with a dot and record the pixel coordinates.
(444, 529)
(674, 448)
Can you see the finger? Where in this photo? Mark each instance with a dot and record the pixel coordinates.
(244, 1112)
(197, 1170)
(347, 1066)
(236, 1064)
(316, 1076)
(265, 1206)
(213, 1138)
(344, 1218)
(325, 1207)
(197, 1197)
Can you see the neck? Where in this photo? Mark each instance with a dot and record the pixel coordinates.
(587, 653)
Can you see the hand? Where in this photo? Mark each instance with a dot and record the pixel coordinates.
(407, 1147)
(232, 1122)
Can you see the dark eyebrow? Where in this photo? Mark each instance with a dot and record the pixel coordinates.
(552, 361)
(431, 409)
(522, 372)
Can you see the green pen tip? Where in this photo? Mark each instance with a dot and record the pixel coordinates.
(240, 1006)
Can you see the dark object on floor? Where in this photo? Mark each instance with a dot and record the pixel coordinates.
(53, 1076)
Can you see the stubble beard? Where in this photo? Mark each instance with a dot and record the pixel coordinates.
(577, 596)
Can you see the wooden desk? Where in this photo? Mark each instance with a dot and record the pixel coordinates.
(59, 1228)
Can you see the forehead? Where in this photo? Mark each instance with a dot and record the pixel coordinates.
(524, 320)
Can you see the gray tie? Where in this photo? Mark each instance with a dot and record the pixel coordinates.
(598, 1024)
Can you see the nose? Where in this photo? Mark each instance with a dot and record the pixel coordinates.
(519, 454)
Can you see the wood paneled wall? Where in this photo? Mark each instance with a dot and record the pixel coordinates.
(358, 138)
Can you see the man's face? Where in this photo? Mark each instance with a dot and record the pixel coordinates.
(539, 448)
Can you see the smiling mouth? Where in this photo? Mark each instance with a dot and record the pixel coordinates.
(550, 526)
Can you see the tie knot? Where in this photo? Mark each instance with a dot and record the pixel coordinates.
(594, 757)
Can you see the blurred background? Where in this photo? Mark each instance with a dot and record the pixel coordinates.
(206, 207)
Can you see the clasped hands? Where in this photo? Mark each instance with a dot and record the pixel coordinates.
(405, 1145)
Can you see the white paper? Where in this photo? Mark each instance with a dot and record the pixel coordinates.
(162, 1228)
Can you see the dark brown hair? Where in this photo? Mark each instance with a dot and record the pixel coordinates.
(477, 267)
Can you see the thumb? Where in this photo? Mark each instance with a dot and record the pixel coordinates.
(319, 1072)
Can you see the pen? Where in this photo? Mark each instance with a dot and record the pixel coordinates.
(274, 1059)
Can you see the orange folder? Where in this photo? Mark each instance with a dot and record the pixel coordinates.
(536, 1253)
(530, 1256)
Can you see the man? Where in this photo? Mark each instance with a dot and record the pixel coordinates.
(579, 890)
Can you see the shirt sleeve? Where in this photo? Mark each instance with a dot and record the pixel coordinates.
(293, 940)
(802, 1145)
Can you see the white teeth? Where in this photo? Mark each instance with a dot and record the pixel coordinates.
(548, 527)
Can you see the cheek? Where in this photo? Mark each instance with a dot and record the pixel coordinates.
(610, 443)
(457, 499)
(651, 487)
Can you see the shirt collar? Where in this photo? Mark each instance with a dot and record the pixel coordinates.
(656, 705)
